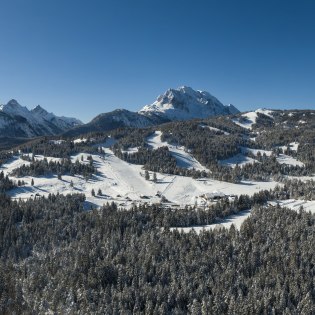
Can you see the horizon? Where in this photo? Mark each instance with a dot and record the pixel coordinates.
(136, 110)
(79, 60)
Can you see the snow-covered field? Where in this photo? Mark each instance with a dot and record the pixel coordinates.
(239, 159)
(125, 184)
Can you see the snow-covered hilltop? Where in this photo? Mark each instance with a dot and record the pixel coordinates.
(18, 121)
(185, 103)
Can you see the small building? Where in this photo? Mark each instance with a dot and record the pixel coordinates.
(214, 196)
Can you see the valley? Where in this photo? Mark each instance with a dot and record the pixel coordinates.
(134, 207)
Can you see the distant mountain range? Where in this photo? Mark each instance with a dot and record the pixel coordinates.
(18, 121)
(183, 103)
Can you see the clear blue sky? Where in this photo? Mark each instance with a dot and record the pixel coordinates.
(80, 58)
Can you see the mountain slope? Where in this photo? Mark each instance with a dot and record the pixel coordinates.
(116, 119)
(185, 103)
(18, 121)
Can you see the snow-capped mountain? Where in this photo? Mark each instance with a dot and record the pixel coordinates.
(63, 122)
(185, 103)
(18, 121)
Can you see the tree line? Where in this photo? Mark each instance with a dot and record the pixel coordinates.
(62, 167)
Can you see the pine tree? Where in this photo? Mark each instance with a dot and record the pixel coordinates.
(147, 175)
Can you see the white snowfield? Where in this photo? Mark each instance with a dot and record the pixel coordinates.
(125, 184)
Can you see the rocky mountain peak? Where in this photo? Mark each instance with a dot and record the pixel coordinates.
(186, 103)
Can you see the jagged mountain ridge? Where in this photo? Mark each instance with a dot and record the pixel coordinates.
(185, 103)
(18, 121)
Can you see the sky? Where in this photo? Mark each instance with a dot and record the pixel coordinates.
(81, 58)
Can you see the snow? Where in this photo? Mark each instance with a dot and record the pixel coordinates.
(118, 178)
(238, 219)
(37, 121)
(80, 140)
(295, 204)
(131, 150)
(242, 159)
(214, 129)
(251, 118)
(239, 159)
(12, 164)
(266, 112)
(286, 159)
(294, 146)
(183, 158)
(255, 151)
(57, 141)
(185, 103)
(235, 219)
